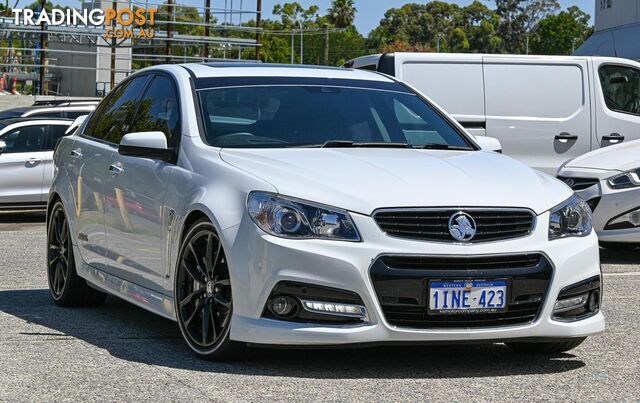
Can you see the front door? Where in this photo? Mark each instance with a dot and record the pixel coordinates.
(136, 217)
(89, 162)
(21, 165)
(617, 104)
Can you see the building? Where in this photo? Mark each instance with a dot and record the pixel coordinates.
(617, 30)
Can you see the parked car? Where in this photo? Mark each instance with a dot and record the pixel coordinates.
(314, 206)
(609, 180)
(543, 109)
(26, 161)
(51, 109)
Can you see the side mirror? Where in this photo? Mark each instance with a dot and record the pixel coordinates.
(151, 145)
(3, 145)
(76, 123)
(489, 143)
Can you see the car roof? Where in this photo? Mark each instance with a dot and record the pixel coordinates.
(212, 70)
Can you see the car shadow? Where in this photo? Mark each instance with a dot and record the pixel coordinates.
(133, 334)
(630, 256)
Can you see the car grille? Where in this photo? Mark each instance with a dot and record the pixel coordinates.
(578, 184)
(433, 225)
(401, 285)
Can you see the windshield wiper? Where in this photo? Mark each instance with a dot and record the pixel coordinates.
(352, 144)
(439, 146)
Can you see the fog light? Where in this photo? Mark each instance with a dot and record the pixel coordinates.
(571, 303)
(283, 306)
(332, 308)
(630, 219)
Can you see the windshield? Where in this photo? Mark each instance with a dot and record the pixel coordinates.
(10, 114)
(311, 115)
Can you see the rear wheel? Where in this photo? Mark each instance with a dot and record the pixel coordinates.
(203, 299)
(65, 286)
(546, 348)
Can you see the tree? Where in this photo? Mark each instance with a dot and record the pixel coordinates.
(461, 29)
(292, 13)
(342, 13)
(518, 20)
(560, 34)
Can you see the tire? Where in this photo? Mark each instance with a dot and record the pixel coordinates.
(65, 286)
(546, 348)
(202, 295)
(618, 246)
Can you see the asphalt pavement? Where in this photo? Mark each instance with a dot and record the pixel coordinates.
(118, 352)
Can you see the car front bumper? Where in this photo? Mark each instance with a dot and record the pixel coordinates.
(611, 203)
(260, 261)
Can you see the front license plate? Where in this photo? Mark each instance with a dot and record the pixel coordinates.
(467, 296)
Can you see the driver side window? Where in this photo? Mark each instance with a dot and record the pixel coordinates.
(621, 88)
(24, 139)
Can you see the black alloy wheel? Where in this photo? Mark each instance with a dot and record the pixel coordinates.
(58, 252)
(203, 298)
(65, 286)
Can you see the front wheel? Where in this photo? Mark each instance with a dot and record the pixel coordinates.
(546, 348)
(202, 295)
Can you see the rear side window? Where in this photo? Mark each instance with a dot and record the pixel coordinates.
(621, 88)
(158, 110)
(110, 120)
(24, 139)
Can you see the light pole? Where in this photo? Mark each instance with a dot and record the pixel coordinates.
(439, 36)
(301, 42)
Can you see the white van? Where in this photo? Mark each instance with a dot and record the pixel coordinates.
(544, 110)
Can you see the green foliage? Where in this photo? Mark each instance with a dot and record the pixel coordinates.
(461, 29)
(342, 13)
(560, 34)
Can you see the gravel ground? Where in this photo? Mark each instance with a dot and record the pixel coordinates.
(119, 352)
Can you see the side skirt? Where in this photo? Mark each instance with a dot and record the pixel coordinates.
(140, 296)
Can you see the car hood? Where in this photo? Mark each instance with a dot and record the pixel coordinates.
(362, 180)
(619, 157)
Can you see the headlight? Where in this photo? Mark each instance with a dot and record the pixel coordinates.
(570, 218)
(625, 180)
(291, 218)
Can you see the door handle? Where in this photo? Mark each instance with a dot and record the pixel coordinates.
(116, 169)
(33, 161)
(613, 138)
(566, 137)
(76, 153)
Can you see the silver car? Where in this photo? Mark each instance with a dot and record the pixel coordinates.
(26, 160)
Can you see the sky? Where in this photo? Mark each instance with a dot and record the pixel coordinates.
(369, 14)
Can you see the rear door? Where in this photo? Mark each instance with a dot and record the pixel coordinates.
(617, 98)
(21, 165)
(539, 109)
(55, 131)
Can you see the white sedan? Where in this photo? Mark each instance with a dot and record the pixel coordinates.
(262, 204)
(609, 180)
